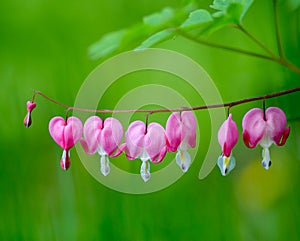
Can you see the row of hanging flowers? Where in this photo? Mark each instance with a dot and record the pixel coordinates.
(151, 141)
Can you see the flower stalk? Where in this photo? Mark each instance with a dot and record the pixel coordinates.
(179, 109)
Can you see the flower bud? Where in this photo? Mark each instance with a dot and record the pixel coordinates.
(30, 107)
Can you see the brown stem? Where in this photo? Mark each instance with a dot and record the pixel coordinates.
(264, 109)
(240, 27)
(289, 65)
(228, 104)
(224, 47)
(147, 121)
(36, 92)
(272, 57)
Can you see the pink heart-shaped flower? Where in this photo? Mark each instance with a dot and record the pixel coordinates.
(99, 134)
(65, 132)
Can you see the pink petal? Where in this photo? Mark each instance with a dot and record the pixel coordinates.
(155, 142)
(284, 137)
(254, 127)
(122, 148)
(111, 135)
(161, 155)
(65, 133)
(85, 147)
(134, 139)
(73, 131)
(92, 134)
(30, 106)
(189, 125)
(228, 136)
(173, 131)
(276, 125)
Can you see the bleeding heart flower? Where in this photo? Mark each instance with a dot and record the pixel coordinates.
(66, 133)
(30, 107)
(102, 136)
(265, 129)
(181, 135)
(146, 143)
(227, 136)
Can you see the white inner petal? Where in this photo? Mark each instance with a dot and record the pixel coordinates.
(226, 164)
(101, 151)
(144, 155)
(183, 146)
(266, 141)
(64, 154)
(104, 165)
(145, 171)
(183, 160)
(266, 162)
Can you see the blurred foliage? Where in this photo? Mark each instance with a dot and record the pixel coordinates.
(43, 45)
(164, 25)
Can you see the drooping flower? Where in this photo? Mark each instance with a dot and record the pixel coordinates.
(102, 136)
(265, 129)
(30, 106)
(181, 135)
(66, 133)
(146, 143)
(227, 136)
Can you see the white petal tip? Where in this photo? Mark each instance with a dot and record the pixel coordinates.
(145, 177)
(226, 164)
(224, 173)
(266, 162)
(105, 171)
(183, 160)
(184, 168)
(266, 165)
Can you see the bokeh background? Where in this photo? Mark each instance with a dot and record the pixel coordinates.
(43, 45)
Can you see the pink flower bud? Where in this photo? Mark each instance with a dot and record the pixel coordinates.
(30, 107)
(227, 136)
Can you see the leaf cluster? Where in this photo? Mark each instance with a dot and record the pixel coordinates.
(170, 22)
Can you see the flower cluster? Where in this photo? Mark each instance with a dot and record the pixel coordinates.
(150, 143)
(259, 127)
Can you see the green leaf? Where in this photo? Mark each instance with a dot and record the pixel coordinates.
(196, 19)
(233, 9)
(139, 33)
(156, 38)
(157, 19)
(107, 44)
(229, 12)
(221, 5)
(136, 35)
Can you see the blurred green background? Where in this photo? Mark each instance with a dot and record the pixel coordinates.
(43, 45)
